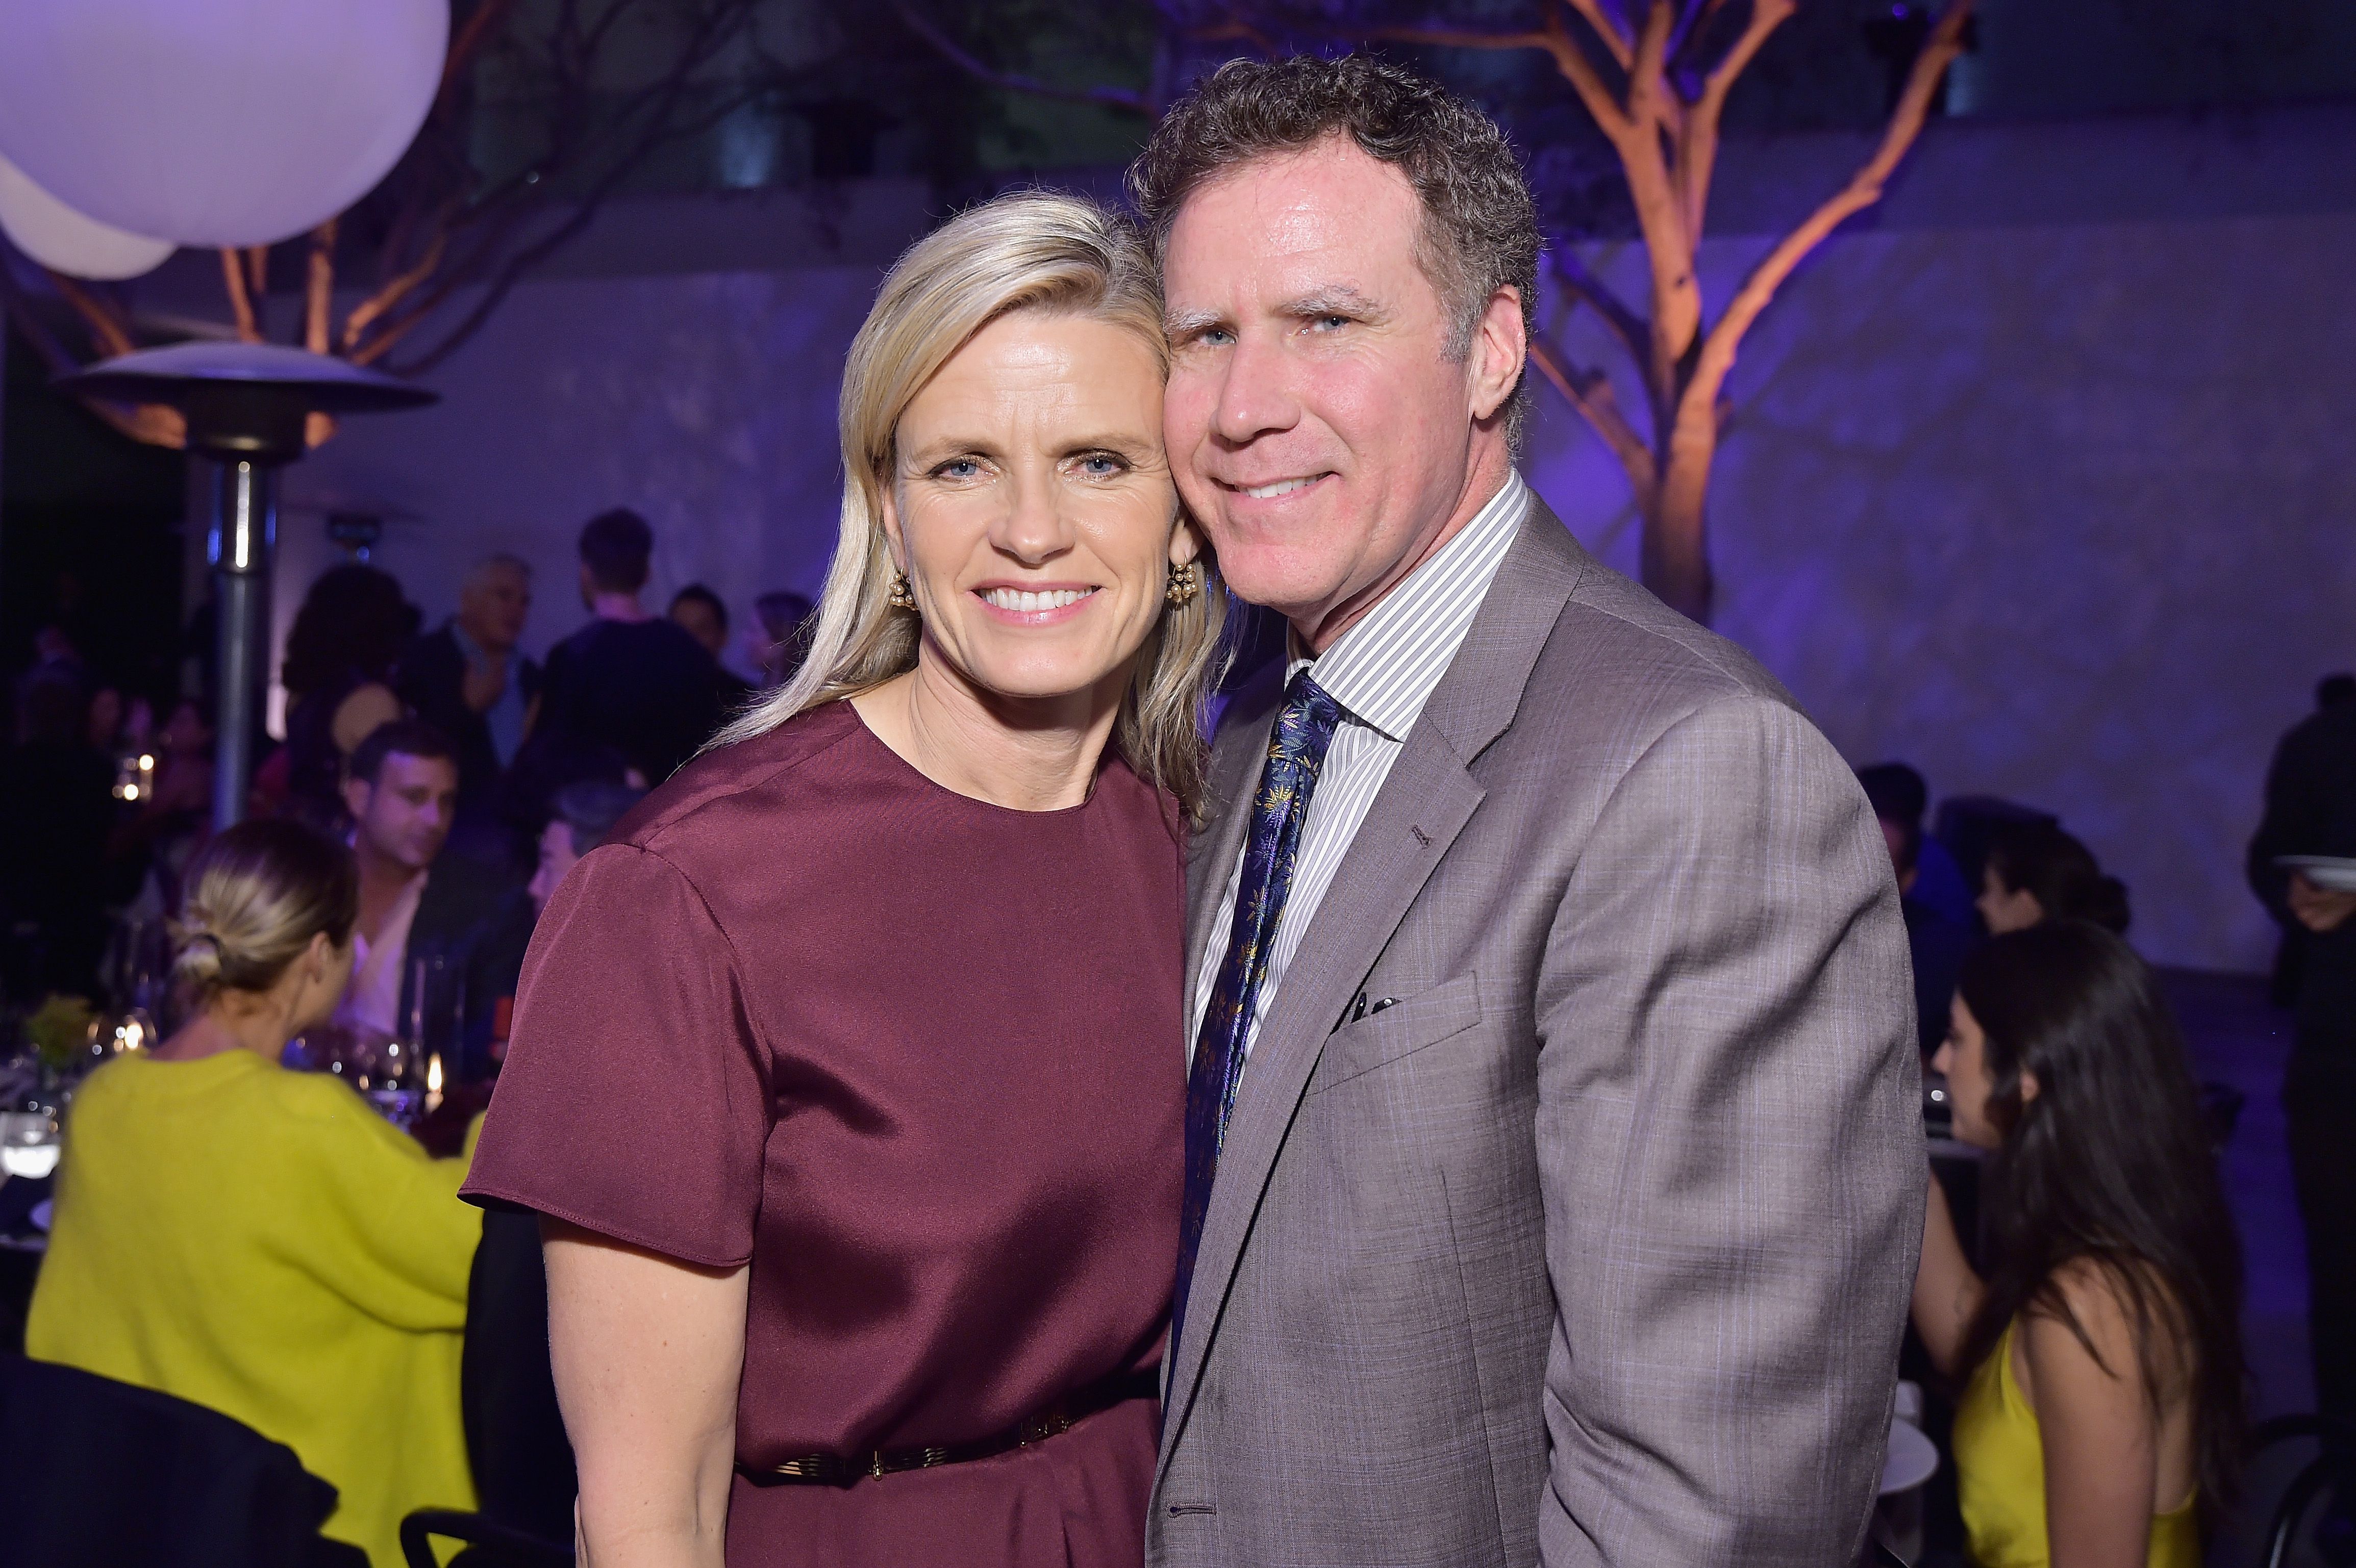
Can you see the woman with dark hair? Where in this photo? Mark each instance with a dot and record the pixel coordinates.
(2101, 1417)
(2036, 872)
(338, 673)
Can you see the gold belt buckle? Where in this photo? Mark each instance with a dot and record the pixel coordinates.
(1039, 1428)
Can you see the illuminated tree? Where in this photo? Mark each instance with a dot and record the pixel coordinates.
(1654, 77)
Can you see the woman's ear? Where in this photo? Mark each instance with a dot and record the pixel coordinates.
(316, 956)
(2028, 1085)
(888, 506)
(1186, 538)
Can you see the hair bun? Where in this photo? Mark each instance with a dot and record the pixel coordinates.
(256, 896)
(199, 962)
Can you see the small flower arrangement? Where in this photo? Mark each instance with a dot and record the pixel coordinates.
(61, 1032)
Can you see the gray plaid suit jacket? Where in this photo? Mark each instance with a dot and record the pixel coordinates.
(1596, 1248)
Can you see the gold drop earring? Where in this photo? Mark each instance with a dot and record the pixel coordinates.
(1185, 581)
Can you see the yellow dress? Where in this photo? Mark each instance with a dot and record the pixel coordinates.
(262, 1242)
(2000, 1478)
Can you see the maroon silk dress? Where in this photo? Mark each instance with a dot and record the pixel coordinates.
(918, 1059)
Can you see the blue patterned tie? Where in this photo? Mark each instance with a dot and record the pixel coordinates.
(1296, 749)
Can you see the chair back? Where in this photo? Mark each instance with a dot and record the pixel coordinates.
(104, 1472)
(515, 1436)
(2331, 1472)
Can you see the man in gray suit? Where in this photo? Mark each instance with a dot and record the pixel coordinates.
(1555, 1169)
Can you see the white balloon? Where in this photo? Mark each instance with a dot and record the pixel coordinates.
(63, 240)
(215, 122)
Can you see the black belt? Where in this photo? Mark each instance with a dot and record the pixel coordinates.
(837, 1470)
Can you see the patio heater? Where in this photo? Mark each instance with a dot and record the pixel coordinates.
(245, 404)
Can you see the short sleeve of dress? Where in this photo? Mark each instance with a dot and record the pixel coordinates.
(634, 1100)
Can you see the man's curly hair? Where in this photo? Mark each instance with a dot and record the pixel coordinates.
(1480, 226)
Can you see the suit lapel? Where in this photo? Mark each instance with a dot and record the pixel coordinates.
(1423, 805)
(1211, 855)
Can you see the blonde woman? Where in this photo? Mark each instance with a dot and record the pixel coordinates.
(848, 1077)
(259, 1240)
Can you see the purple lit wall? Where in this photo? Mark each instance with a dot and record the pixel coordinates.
(705, 401)
(2044, 483)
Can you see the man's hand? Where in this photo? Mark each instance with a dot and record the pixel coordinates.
(2317, 910)
(483, 684)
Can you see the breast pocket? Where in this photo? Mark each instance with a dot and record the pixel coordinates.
(1408, 1025)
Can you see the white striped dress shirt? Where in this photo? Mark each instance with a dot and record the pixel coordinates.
(1380, 672)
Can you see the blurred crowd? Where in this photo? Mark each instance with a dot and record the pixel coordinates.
(2052, 1057)
(460, 769)
(435, 786)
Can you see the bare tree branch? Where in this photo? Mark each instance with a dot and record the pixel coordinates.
(241, 303)
(364, 314)
(1589, 392)
(948, 49)
(1677, 315)
(660, 104)
(1606, 30)
(492, 259)
(107, 330)
(1697, 162)
(1634, 333)
(486, 20)
(319, 287)
(150, 423)
(27, 320)
(1864, 188)
(1554, 38)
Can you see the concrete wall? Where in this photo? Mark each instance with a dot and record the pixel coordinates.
(2042, 481)
(705, 401)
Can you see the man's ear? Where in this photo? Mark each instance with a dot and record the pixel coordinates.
(1500, 349)
(356, 794)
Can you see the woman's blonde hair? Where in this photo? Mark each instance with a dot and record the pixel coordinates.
(256, 896)
(1030, 250)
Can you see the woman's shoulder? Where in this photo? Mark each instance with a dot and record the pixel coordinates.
(2116, 1317)
(1141, 804)
(706, 807)
(255, 1101)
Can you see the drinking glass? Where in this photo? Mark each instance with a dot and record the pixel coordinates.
(29, 1143)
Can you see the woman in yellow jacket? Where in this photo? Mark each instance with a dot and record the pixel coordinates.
(259, 1240)
(2101, 1415)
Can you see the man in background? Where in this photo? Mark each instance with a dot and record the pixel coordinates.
(1937, 936)
(2311, 810)
(700, 613)
(581, 816)
(472, 682)
(629, 683)
(418, 904)
(781, 642)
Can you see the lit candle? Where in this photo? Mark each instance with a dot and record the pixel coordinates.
(433, 1084)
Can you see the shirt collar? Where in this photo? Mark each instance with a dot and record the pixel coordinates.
(1384, 669)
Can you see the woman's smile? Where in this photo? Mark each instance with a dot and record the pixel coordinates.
(1036, 603)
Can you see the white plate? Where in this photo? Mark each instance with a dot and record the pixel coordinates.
(1912, 1459)
(2332, 873)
